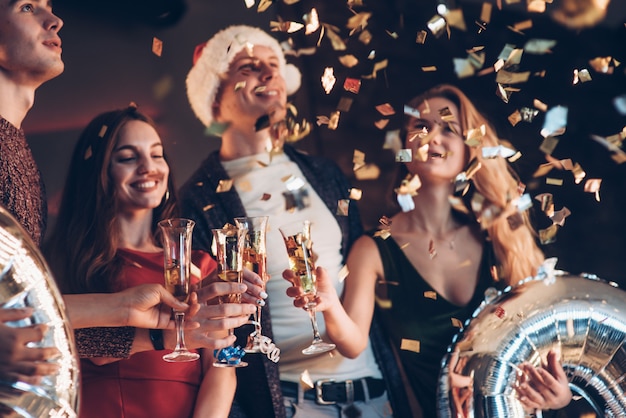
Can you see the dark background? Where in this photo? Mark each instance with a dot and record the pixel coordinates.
(109, 63)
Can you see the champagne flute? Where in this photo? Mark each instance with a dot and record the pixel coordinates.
(297, 237)
(229, 243)
(177, 262)
(255, 259)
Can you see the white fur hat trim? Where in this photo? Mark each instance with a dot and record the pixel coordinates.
(213, 59)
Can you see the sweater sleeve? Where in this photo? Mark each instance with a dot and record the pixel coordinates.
(104, 342)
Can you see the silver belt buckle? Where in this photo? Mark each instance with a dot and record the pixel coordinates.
(319, 398)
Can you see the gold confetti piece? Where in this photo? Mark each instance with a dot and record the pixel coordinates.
(365, 37)
(548, 145)
(547, 203)
(355, 194)
(579, 173)
(358, 22)
(429, 294)
(353, 85)
(455, 19)
(456, 323)
(342, 207)
(536, 6)
(432, 251)
(429, 69)
(224, 186)
(249, 4)
(263, 5)
(157, 46)
(208, 207)
(199, 184)
(306, 382)
(371, 55)
(583, 76)
(515, 117)
(88, 153)
(540, 105)
(333, 35)
(383, 303)
(393, 140)
(302, 51)
(348, 61)
(103, 131)
(343, 273)
(385, 109)
(601, 65)
(285, 26)
(548, 235)
(244, 186)
(405, 245)
(474, 136)
(410, 345)
(381, 65)
(385, 221)
(559, 216)
(499, 312)
(554, 182)
(311, 21)
(507, 77)
(437, 25)
(328, 79)
(420, 38)
(345, 103)
(481, 26)
(523, 25)
(266, 196)
(333, 122)
(485, 12)
(381, 124)
(368, 172)
(358, 159)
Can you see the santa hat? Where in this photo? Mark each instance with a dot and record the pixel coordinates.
(212, 59)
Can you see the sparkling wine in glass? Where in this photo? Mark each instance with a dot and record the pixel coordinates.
(177, 263)
(229, 242)
(297, 237)
(255, 259)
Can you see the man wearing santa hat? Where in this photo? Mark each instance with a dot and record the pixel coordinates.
(238, 88)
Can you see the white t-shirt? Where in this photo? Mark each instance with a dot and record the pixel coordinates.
(255, 178)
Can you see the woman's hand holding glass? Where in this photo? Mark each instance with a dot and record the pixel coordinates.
(299, 246)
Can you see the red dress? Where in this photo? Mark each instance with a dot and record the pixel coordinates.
(144, 385)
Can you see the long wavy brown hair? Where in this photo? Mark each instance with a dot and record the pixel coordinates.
(81, 250)
(515, 248)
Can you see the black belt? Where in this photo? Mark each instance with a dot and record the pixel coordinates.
(328, 392)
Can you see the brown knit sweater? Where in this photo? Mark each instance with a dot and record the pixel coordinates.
(21, 188)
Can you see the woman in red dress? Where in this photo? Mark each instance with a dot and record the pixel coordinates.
(106, 239)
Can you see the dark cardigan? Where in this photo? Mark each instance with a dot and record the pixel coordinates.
(258, 385)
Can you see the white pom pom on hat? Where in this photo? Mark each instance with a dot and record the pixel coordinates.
(212, 59)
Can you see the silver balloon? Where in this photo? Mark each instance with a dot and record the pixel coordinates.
(26, 281)
(583, 317)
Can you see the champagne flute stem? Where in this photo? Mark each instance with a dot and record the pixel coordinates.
(258, 321)
(180, 338)
(316, 332)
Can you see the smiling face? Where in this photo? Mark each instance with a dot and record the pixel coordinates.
(439, 151)
(30, 47)
(138, 168)
(253, 87)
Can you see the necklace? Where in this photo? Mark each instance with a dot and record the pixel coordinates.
(432, 249)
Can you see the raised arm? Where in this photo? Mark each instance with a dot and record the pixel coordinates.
(347, 318)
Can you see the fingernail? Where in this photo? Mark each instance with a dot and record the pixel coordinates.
(263, 294)
(260, 302)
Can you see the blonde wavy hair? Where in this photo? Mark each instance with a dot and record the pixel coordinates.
(515, 248)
